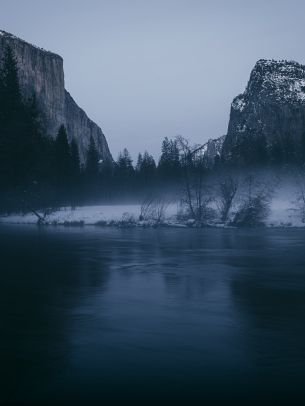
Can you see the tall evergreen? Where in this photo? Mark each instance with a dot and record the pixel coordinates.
(169, 163)
(11, 100)
(139, 163)
(75, 171)
(148, 168)
(124, 174)
(92, 161)
(91, 175)
(62, 165)
(145, 172)
(11, 121)
(75, 160)
(124, 165)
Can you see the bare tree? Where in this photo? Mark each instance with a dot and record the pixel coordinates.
(255, 204)
(197, 195)
(159, 210)
(146, 208)
(227, 192)
(153, 209)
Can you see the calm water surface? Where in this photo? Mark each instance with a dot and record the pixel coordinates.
(176, 314)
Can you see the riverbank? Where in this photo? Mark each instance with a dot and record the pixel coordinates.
(282, 214)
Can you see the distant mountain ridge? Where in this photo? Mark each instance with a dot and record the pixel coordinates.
(41, 73)
(267, 121)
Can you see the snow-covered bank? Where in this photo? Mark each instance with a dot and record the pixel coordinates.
(283, 213)
(90, 215)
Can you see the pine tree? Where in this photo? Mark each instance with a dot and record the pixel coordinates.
(11, 100)
(169, 164)
(92, 160)
(148, 168)
(106, 176)
(124, 173)
(63, 165)
(139, 163)
(62, 151)
(75, 172)
(145, 173)
(124, 164)
(75, 160)
(91, 175)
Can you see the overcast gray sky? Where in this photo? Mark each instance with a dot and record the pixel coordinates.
(146, 69)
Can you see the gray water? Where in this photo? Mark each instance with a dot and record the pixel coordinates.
(91, 314)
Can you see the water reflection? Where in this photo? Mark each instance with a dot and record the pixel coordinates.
(88, 313)
(43, 276)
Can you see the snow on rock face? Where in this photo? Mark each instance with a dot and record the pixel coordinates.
(282, 80)
(238, 103)
(270, 113)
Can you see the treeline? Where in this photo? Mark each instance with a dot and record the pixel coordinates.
(255, 150)
(127, 179)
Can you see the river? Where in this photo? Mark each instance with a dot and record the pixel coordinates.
(89, 314)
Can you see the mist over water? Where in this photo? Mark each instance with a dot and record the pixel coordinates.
(90, 314)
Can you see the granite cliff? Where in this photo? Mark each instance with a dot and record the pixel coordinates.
(211, 151)
(267, 121)
(41, 74)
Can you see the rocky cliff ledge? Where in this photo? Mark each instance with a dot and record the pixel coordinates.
(41, 73)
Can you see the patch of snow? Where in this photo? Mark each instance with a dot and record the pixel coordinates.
(298, 87)
(239, 104)
(284, 80)
(88, 215)
(204, 149)
(241, 128)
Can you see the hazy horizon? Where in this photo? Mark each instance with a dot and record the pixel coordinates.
(145, 70)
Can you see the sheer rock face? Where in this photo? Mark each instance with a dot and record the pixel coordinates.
(41, 74)
(269, 114)
(211, 150)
